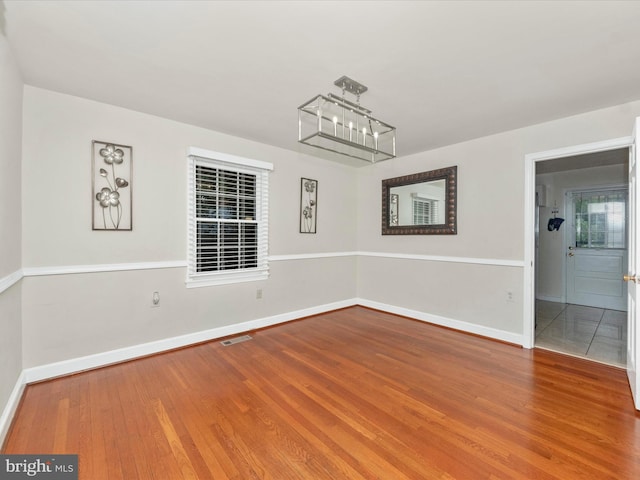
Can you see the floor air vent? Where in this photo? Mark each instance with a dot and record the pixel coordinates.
(235, 340)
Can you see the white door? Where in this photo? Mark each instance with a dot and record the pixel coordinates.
(597, 251)
(633, 355)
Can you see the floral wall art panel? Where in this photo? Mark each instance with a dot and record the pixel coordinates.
(111, 186)
(308, 205)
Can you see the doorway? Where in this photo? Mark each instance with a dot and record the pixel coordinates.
(579, 294)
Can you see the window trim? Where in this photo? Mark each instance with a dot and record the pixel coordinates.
(261, 169)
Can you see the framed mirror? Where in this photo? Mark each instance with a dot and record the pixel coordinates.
(420, 204)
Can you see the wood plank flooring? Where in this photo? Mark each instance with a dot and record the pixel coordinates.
(350, 394)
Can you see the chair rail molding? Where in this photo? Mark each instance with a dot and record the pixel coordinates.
(120, 267)
(10, 280)
(109, 267)
(403, 256)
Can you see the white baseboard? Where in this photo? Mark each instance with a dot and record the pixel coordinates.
(102, 359)
(74, 365)
(11, 407)
(489, 332)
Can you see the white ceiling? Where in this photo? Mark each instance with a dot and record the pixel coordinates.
(441, 72)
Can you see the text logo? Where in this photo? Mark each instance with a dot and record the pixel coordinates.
(49, 467)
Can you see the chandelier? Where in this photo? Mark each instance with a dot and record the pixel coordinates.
(342, 126)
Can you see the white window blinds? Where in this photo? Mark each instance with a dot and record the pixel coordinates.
(228, 219)
(425, 212)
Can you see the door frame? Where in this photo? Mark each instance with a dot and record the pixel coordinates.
(529, 296)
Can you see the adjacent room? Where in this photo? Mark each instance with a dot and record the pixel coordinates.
(319, 239)
(582, 255)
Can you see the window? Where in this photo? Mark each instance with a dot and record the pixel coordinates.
(228, 213)
(425, 211)
(600, 219)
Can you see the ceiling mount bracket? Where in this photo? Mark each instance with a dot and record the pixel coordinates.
(350, 85)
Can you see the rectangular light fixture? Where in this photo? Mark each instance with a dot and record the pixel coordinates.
(338, 125)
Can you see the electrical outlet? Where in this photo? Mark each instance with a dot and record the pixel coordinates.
(155, 299)
(510, 296)
(258, 294)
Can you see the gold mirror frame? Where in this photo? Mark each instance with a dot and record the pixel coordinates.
(449, 227)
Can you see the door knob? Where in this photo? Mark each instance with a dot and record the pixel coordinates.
(571, 254)
(630, 278)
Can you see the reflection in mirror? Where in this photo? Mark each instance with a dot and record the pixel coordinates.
(418, 204)
(393, 210)
(422, 203)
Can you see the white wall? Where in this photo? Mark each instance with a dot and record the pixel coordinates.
(490, 224)
(67, 316)
(10, 223)
(553, 245)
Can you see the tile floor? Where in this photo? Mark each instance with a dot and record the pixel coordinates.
(593, 333)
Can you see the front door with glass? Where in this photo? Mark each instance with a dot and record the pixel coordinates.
(597, 251)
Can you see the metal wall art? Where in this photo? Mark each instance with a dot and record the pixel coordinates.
(111, 171)
(308, 205)
(393, 210)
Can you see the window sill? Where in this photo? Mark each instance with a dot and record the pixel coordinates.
(208, 280)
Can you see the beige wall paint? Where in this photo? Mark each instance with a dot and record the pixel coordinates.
(10, 220)
(67, 316)
(430, 287)
(490, 220)
(58, 132)
(10, 153)
(57, 194)
(552, 249)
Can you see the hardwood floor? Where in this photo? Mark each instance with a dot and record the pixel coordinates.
(351, 394)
